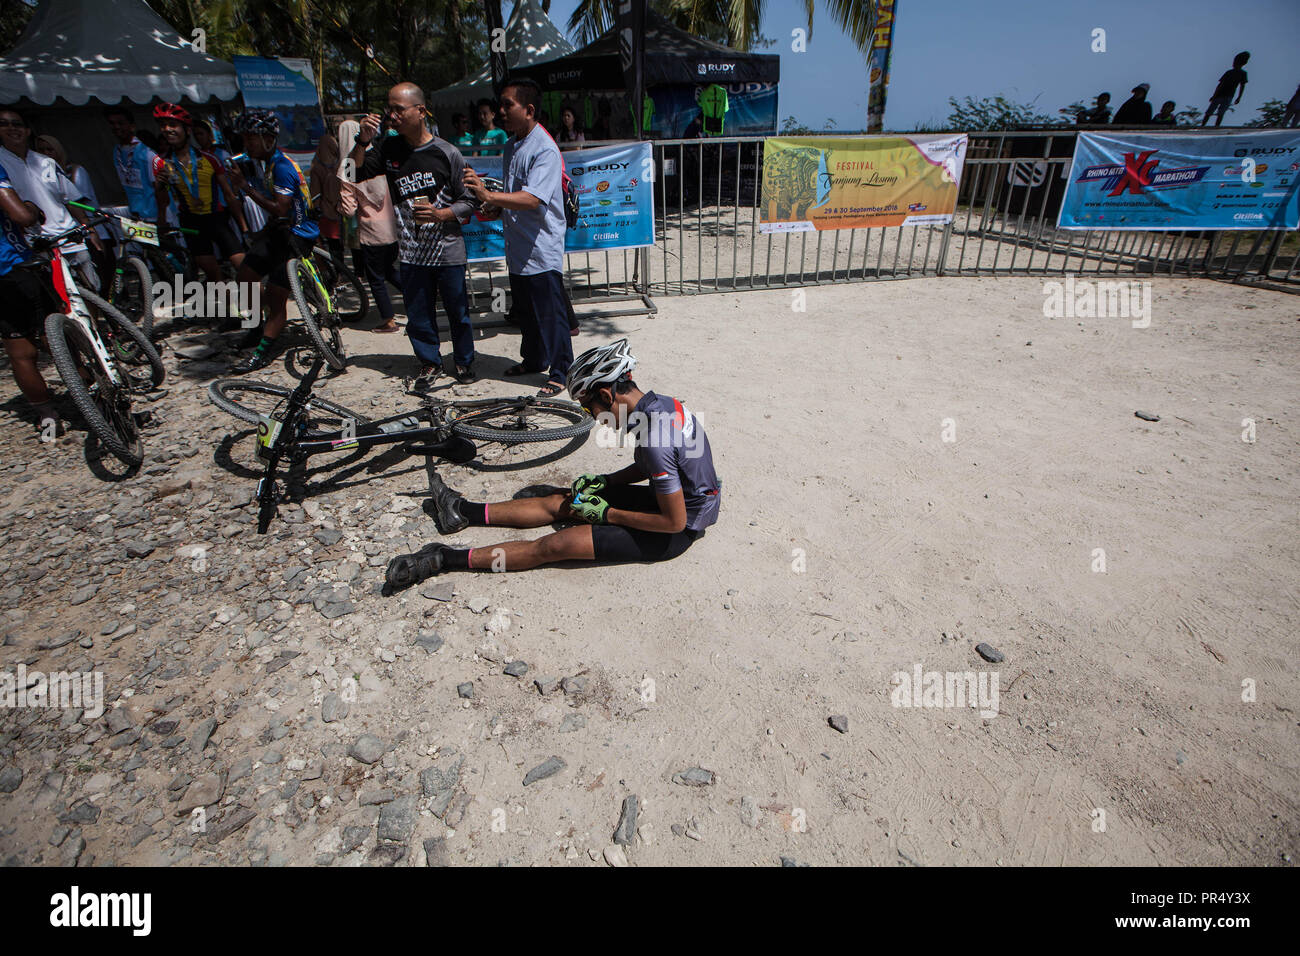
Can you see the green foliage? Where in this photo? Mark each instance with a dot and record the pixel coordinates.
(792, 127)
(1270, 114)
(997, 112)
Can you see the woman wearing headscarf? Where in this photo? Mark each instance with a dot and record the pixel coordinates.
(325, 184)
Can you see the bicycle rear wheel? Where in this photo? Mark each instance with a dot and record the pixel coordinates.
(513, 421)
(249, 401)
(322, 324)
(130, 346)
(106, 407)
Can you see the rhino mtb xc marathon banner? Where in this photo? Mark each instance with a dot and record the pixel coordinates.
(851, 182)
(287, 86)
(1165, 181)
(615, 201)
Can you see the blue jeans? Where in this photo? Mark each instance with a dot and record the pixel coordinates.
(543, 312)
(421, 286)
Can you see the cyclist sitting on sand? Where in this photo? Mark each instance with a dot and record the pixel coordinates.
(622, 520)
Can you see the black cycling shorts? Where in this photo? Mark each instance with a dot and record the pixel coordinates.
(214, 231)
(615, 544)
(272, 248)
(26, 298)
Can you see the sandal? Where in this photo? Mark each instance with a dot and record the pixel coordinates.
(550, 390)
(515, 371)
(387, 328)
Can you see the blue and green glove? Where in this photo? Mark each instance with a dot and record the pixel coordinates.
(589, 484)
(589, 508)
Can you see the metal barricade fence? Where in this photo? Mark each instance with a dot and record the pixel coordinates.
(707, 213)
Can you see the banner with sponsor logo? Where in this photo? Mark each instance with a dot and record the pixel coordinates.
(287, 86)
(851, 182)
(878, 57)
(615, 201)
(1180, 181)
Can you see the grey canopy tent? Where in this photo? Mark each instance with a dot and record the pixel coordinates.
(531, 37)
(80, 53)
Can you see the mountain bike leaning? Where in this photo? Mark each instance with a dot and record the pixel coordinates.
(293, 425)
(87, 349)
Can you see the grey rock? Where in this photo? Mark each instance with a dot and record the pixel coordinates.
(386, 854)
(694, 777)
(1147, 416)
(119, 719)
(626, 828)
(439, 781)
(573, 685)
(372, 798)
(990, 653)
(202, 734)
(60, 641)
(82, 595)
(572, 722)
(545, 685)
(231, 822)
(839, 722)
(331, 611)
(429, 640)
(477, 605)
(11, 778)
(435, 852)
(437, 590)
(83, 811)
(749, 812)
(367, 748)
(354, 837)
(333, 708)
(328, 536)
(397, 820)
(466, 690)
(516, 669)
(547, 768)
(138, 549)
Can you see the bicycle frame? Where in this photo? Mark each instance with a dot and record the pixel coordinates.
(315, 277)
(78, 312)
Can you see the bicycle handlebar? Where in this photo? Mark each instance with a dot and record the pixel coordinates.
(105, 215)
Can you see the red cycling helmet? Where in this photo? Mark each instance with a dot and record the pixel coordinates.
(172, 112)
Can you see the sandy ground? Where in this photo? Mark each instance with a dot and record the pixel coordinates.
(854, 542)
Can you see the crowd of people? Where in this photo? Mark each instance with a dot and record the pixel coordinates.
(1136, 110)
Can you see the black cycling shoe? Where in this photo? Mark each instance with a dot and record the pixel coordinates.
(252, 363)
(446, 507)
(466, 375)
(407, 570)
(428, 375)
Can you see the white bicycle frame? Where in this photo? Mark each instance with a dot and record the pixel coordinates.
(80, 315)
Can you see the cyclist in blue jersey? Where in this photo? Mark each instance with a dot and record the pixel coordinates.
(275, 183)
(620, 520)
(134, 162)
(28, 297)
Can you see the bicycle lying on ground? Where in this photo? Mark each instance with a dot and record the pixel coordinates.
(96, 355)
(292, 425)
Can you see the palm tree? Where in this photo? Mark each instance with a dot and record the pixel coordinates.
(734, 22)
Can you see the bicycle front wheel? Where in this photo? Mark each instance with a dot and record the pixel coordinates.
(130, 346)
(249, 401)
(105, 407)
(133, 293)
(322, 323)
(513, 421)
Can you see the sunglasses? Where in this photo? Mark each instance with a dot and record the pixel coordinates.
(12, 124)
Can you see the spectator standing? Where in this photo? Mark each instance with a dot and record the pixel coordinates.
(36, 178)
(1166, 115)
(325, 186)
(134, 162)
(1135, 111)
(376, 254)
(1099, 114)
(531, 208)
(570, 130)
(425, 180)
(1232, 81)
(103, 257)
(489, 138)
(1292, 115)
(460, 130)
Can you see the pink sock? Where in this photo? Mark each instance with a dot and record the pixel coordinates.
(487, 514)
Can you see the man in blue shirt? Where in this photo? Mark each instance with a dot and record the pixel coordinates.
(276, 184)
(531, 209)
(28, 298)
(618, 519)
(134, 162)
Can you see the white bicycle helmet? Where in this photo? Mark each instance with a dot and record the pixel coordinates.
(604, 365)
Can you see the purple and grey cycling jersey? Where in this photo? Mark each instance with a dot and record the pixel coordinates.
(673, 451)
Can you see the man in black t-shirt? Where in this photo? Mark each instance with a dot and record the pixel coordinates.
(425, 180)
(1228, 84)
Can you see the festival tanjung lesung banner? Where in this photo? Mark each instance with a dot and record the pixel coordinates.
(1177, 181)
(812, 183)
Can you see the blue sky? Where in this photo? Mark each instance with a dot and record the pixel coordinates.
(1033, 50)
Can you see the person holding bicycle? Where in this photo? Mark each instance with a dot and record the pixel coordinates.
(198, 181)
(620, 520)
(28, 298)
(275, 183)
